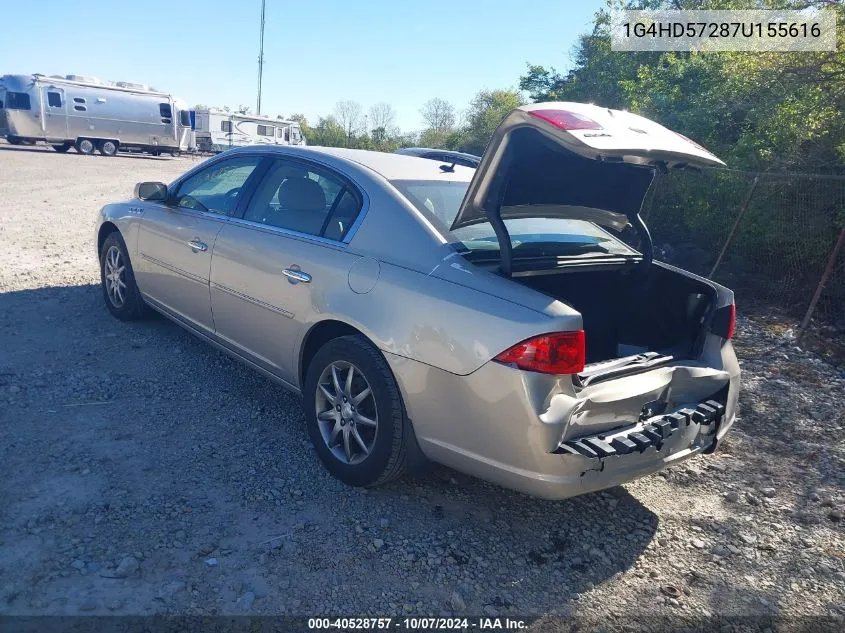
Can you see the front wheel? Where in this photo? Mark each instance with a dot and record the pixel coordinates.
(123, 299)
(354, 412)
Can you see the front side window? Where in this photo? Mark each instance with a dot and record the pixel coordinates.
(54, 99)
(266, 130)
(184, 118)
(216, 188)
(18, 101)
(225, 126)
(304, 199)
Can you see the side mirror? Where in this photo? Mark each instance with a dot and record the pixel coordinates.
(153, 191)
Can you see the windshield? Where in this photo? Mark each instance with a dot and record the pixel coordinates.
(439, 202)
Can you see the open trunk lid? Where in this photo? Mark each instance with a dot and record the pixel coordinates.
(572, 160)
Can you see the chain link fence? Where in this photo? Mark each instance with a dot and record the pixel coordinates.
(778, 240)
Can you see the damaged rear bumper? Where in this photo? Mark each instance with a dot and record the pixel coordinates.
(540, 435)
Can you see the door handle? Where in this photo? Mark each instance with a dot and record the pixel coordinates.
(296, 276)
(197, 245)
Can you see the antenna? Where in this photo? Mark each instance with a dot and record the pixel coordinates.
(260, 57)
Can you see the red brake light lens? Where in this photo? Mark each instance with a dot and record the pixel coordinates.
(566, 120)
(732, 322)
(555, 353)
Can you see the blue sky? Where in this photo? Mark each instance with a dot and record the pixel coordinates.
(316, 52)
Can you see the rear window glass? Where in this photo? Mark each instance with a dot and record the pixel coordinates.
(437, 199)
(18, 101)
(439, 202)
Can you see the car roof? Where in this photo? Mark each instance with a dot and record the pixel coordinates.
(389, 165)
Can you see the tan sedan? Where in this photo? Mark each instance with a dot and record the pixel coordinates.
(490, 320)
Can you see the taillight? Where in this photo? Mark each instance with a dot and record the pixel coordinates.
(724, 321)
(555, 353)
(566, 120)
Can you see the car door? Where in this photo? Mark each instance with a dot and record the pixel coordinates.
(176, 237)
(279, 266)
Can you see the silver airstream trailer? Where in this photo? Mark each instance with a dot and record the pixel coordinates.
(91, 115)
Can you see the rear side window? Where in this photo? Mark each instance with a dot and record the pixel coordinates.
(18, 101)
(266, 130)
(165, 110)
(54, 99)
(225, 126)
(304, 199)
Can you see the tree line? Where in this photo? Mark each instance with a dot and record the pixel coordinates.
(350, 125)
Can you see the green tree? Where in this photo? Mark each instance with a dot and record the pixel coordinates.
(486, 111)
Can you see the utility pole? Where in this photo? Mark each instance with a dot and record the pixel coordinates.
(260, 57)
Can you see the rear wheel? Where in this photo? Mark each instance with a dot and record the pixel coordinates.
(108, 148)
(123, 299)
(61, 149)
(354, 412)
(85, 146)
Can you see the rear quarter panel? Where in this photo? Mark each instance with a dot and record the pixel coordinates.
(443, 324)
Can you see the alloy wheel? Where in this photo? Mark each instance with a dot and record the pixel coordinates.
(115, 277)
(346, 412)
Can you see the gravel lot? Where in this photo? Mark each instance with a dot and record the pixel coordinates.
(144, 472)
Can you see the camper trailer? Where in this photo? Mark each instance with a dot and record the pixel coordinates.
(92, 115)
(217, 130)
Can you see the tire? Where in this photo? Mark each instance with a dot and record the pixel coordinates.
(107, 148)
(125, 303)
(85, 146)
(61, 149)
(390, 442)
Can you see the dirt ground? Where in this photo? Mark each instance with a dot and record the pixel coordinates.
(143, 472)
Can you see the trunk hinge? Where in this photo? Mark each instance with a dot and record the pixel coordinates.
(505, 245)
(647, 244)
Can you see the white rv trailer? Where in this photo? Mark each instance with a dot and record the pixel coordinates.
(217, 130)
(88, 114)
